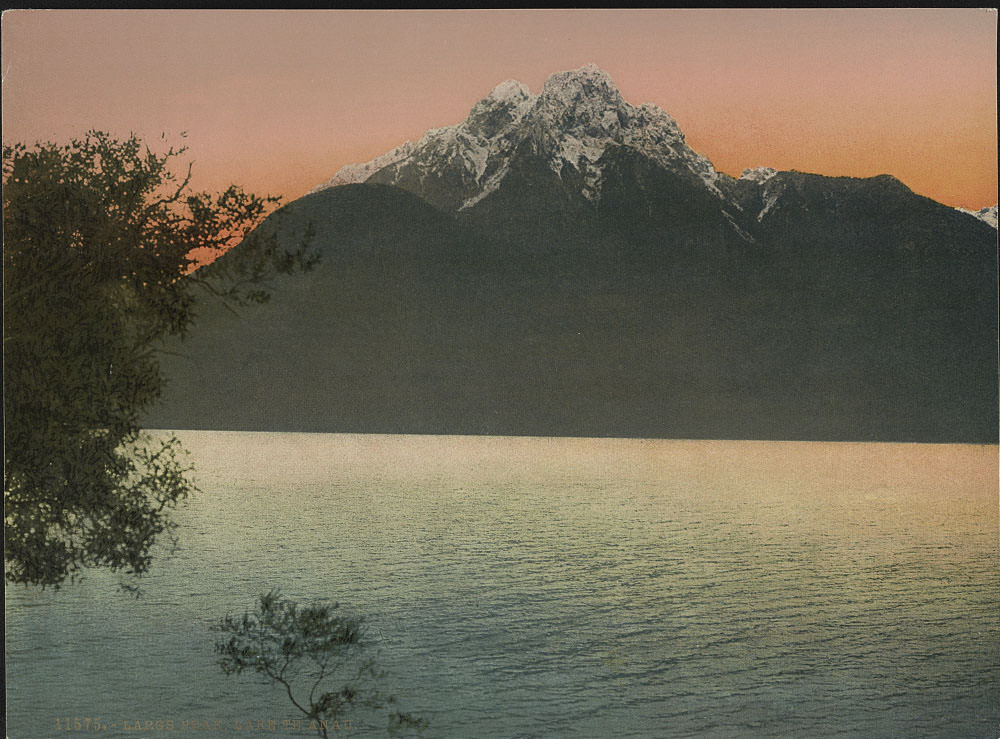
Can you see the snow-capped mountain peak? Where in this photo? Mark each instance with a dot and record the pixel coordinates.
(503, 108)
(584, 90)
(510, 90)
(573, 120)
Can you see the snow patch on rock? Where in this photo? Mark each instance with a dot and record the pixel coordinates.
(986, 215)
(760, 175)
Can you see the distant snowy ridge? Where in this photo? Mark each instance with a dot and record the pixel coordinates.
(575, 125)
(354, 173)
(576, 117)
(986, 215)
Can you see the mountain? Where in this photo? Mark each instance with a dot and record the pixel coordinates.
(565, 264)
(986, 215)
(575, 119)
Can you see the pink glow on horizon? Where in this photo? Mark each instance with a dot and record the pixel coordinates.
(278, 100)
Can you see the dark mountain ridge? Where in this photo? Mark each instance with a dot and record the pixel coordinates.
(565, 265)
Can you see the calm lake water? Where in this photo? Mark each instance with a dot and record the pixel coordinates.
(525, 587)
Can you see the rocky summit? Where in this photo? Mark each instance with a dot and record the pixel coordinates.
(575, 119)
(565, 264)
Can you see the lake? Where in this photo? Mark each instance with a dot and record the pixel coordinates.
(549, 587)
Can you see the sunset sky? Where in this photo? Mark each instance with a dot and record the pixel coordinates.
(278, 100)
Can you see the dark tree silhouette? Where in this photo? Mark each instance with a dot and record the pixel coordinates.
(304, 649)
(101, 244)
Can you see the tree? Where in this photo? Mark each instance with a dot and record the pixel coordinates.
(101, 244)
(303, 648)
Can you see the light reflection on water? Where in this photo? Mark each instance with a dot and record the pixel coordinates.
(561, 587)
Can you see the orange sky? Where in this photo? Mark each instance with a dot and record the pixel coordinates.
(278, 100)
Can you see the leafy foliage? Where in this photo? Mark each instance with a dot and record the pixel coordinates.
(101, 240)
(303, 648)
